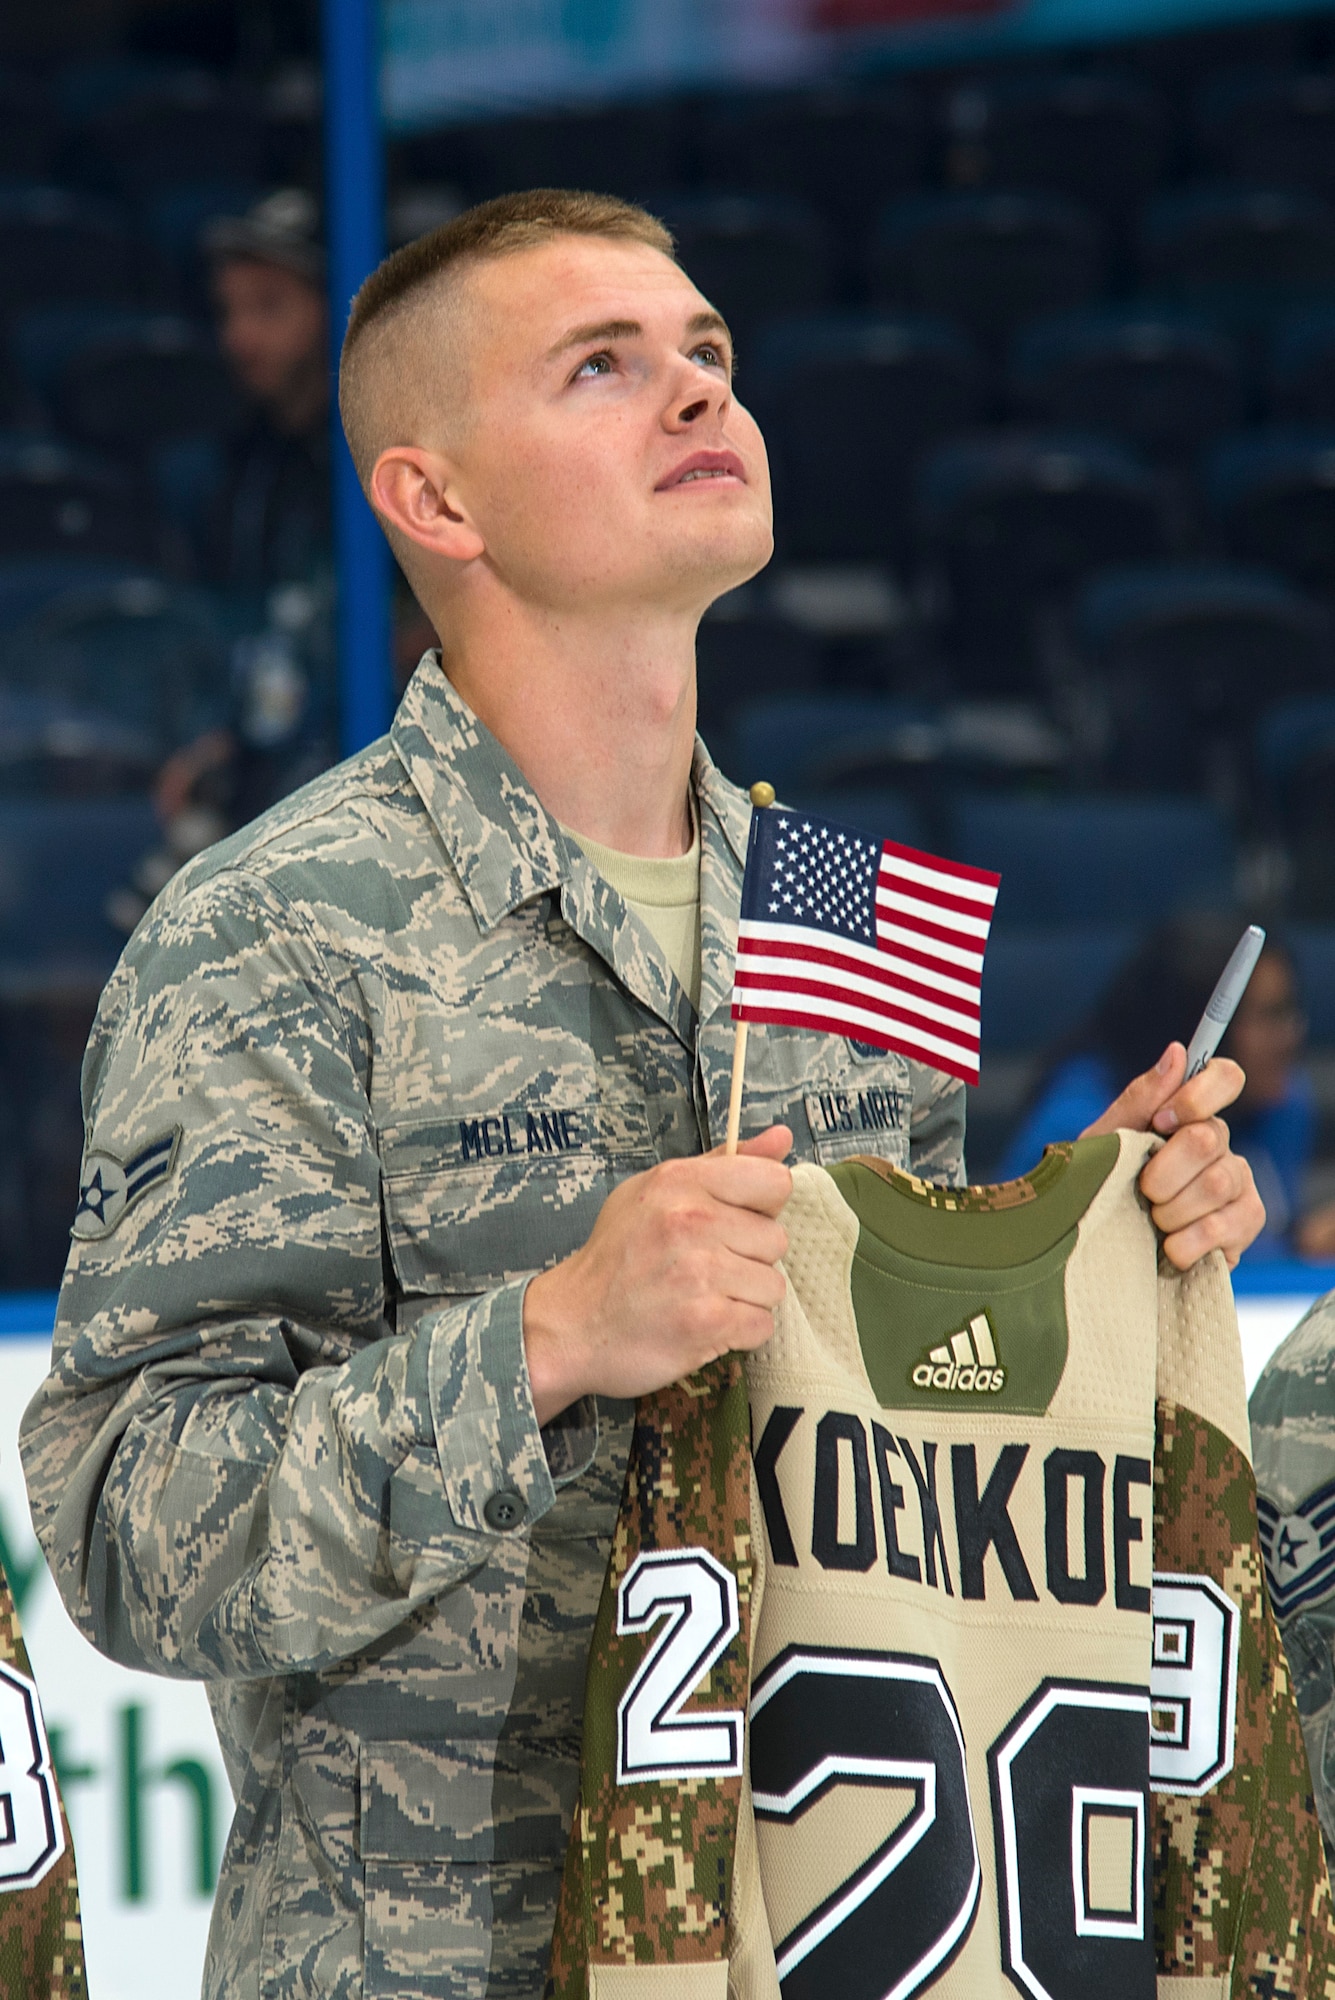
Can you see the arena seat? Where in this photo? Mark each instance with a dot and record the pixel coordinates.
(753, 256)
(1095, 134)
(27, 126)
(57, 502)
(989, 260)
(877, 809)
(149, 653)
(619, 148)
(847, 147)
(848, 402)
(745, 658)
(124, 380)
(187, 126)
(1295, 770)
(797, 742)
(58, 248)
(59, 860)
(1268, 125)
(1313, 948)
(1273, 494)
(1039, 983)
(1300, 375)
(1245, 255)
(1015, 518)
(1095, 859)
(1164, 381)
(27, 585)
(1188, 653)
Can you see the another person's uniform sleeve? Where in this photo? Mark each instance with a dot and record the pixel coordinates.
(237, 1466)
(1293, 1441)
(936, 1127)
(41, 1939)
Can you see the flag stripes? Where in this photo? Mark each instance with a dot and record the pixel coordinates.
(846, 934)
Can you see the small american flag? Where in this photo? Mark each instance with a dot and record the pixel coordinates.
(862, 937)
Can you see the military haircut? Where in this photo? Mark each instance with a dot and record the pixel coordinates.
(396, 290)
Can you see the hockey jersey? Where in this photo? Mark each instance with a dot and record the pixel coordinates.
(1018, 1717)
(41, 1939)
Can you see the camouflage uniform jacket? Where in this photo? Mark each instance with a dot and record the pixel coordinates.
(362, 1070)
(1293, 1440)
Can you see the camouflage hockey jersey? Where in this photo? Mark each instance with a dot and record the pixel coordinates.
(41, 1941)
(988, 1749)
(362, 1069)
(1293, 1436)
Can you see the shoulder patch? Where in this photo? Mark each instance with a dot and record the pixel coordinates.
(108, 1186)
(1299, 1549)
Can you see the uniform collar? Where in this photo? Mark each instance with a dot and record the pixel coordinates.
(506, 848)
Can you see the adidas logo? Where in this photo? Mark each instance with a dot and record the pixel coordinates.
(968, 1362)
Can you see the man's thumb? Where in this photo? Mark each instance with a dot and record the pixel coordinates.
(1134, 1110)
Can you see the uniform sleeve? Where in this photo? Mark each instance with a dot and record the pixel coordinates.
(936, 1127)
(237, 1466)
(1293, 1441)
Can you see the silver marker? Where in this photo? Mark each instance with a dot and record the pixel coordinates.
(1223, 1002)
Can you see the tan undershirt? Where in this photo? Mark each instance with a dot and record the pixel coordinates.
(665, 895)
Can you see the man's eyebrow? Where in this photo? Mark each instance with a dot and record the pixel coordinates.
(603, 329)
(631, 329)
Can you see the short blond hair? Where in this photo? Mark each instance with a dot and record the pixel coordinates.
(499, 228)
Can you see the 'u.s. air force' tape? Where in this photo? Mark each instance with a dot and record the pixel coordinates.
(108, 1186)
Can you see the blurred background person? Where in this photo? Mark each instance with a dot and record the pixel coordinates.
(1159, 996)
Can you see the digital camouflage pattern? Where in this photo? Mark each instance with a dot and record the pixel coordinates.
(395, 1043)
(41, 1938)
(1293, 1443)
(648, 1877)
(1240, 1885)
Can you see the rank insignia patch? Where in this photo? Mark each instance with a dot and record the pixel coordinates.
(108, 1186)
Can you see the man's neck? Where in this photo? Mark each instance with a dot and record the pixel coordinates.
(599, 715)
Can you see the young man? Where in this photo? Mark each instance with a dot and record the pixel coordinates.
(456, 1014)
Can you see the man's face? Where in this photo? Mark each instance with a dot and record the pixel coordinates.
(271, 326)
(604, 458)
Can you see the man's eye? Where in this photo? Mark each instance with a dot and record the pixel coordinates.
(597, 364)
(711, 356)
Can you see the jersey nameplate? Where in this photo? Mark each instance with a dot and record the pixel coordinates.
(979, 1520)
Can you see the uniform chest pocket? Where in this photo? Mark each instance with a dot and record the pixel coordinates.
(478, 1198)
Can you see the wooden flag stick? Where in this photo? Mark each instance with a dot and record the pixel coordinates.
(761, 795)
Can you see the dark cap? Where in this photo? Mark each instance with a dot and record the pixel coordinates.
(283, 229)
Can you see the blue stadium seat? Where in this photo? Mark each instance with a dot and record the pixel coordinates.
(988, 260)
(1040, 984)
(51, 749)
(626, 148)
(1015, 519)
(1093, 859)
(1164, 381)
(175, 217)
(753, 256)
(1313, 947)
(1301, 372)
(188, 126)
(1245, 255)
(1188, 653)
(57, 502)
(27, 126)
(798, 743)
(848, 403)
(1273, 494)
(27, 586)
(59, 860)
(1290, 735)
(149, 653)
(58, 248)
(1295, 770)
(1096, 135)
(846, 147)
(1272, 126)
(124, 381)
(743, 659)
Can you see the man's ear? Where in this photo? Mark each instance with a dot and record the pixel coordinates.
(413, 490)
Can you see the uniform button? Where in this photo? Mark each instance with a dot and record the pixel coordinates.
(504, 1510)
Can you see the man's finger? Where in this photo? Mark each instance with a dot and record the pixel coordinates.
(1215, 1187)
(1188, 1153)
(1212, 1090)
(1228, 1229)
(1143, 1096)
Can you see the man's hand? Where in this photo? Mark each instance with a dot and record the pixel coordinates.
(1201, 1195)
(679, 1269)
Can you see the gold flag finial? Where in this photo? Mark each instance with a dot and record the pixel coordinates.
(762, 794)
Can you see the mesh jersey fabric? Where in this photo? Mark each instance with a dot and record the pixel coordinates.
(981, 1412)
(41, 1938)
